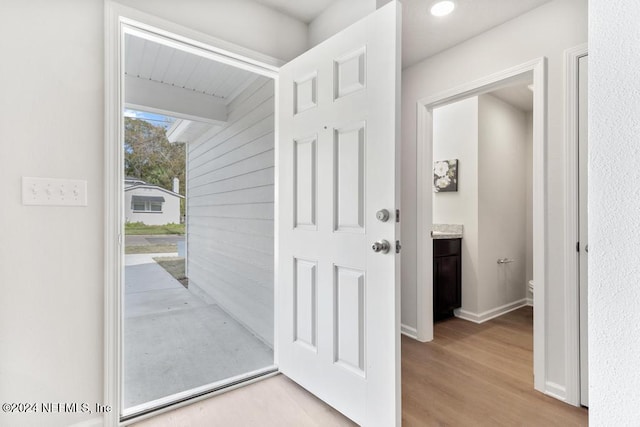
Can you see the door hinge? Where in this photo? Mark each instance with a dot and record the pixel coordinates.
(577, 246)
(397, 215)
(398, 246)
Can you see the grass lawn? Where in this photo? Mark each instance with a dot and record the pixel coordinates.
(150, 249)
(138, 228)
(174, 266)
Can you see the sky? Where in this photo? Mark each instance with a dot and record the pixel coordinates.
(154, 119)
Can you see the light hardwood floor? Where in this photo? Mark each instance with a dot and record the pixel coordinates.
(273, 402)
(478, 375)
(470, 375)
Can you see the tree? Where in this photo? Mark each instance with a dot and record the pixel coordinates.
(149, 156)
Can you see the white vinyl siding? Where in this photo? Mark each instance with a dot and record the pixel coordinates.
(230, 211)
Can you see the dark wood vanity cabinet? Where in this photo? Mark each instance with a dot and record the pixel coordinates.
(447, 275)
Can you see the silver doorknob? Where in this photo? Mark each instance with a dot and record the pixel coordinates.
(381, 246)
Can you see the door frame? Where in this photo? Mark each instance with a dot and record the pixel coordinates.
(119, 20)
(572, 257)
(424, 142)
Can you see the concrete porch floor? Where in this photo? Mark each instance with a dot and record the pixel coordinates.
(174, 341)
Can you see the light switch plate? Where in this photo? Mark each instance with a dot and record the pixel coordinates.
(54, 192)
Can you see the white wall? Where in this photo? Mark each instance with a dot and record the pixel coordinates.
(455, 136)
(51, 258)
(230, 212)
(545, 31)
(501, 203)
(338, 16)
(614, 203)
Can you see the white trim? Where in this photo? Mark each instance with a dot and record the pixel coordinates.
(154, 407)
(572, 257)
(276, 218)
(114, 201)
(409, 331)
(530, 301)
(118, 20)
(424, 216)
(166, 32)
(144, 94)
(490, 314)
(556, 391)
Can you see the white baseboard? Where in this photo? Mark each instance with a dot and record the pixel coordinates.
(530, 302)
(93, 422)
(409, 331)
(555, 390)
(489, 314)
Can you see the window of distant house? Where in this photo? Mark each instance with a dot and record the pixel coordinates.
(147, 206)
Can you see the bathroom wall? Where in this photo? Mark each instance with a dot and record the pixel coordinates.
(455, 136)
(529, 213)
(502, 184)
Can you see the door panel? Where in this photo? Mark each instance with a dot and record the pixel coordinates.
(338, 300)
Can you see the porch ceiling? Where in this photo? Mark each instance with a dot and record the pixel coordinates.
(195, 90)
(148, 60)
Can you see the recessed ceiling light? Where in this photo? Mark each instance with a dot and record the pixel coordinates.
(442, 8)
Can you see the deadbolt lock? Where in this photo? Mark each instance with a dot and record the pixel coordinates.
(382, 215)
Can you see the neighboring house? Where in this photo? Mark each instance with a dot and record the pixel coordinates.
(151, 204)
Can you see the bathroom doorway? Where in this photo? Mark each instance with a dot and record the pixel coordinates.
(531, 72)
(482, 202)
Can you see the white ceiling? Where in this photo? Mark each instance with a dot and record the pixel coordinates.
(424, 35)
(519, 96)
(303, 10)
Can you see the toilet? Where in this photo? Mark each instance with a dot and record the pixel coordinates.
(531, 286)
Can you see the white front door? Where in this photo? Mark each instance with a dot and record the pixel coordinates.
(337, 303)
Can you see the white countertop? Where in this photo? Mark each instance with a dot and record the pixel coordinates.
(445, 235)
(447, 231)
